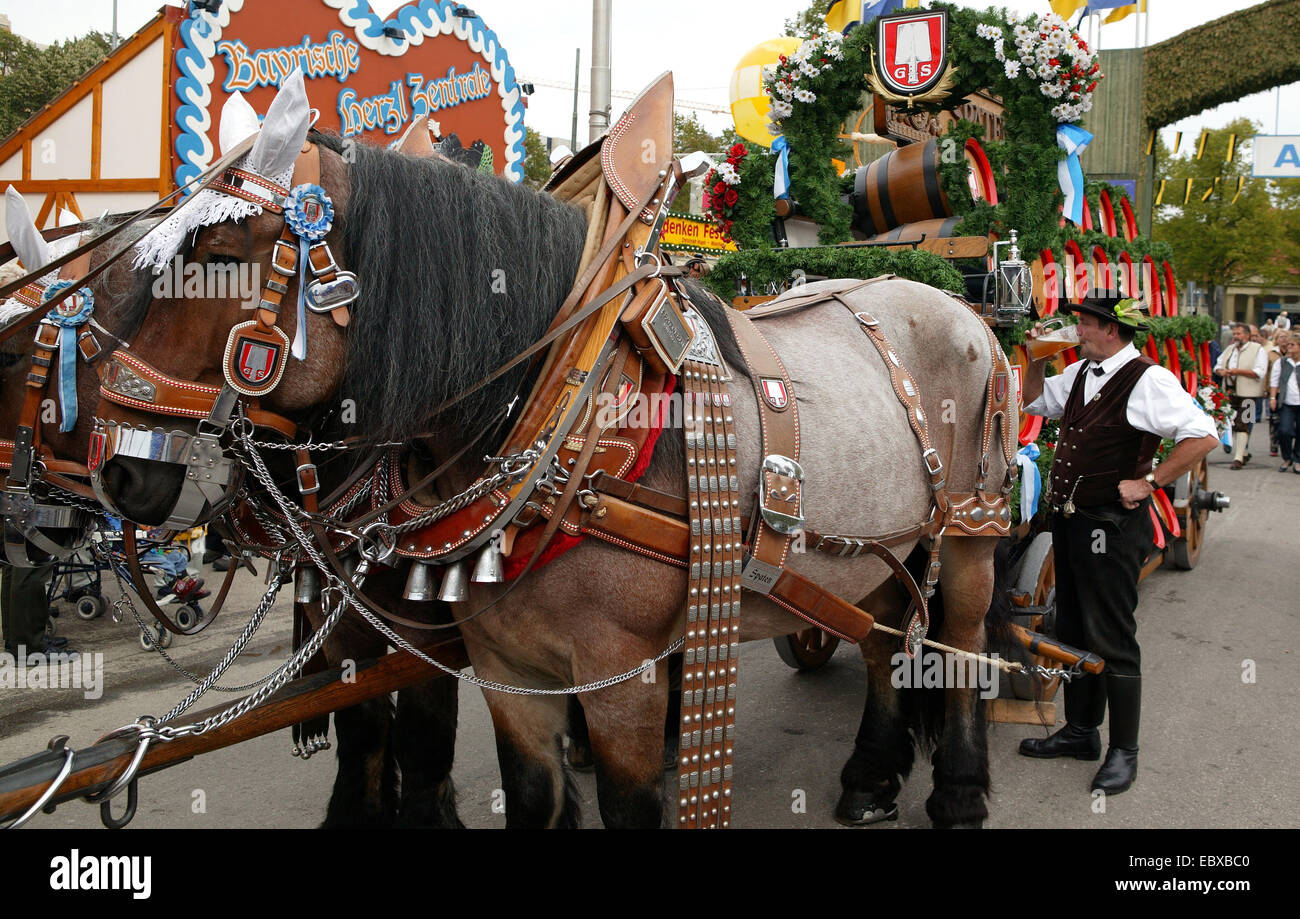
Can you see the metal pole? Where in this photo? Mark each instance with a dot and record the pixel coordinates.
(114, 23)
(602, 12)
(577, 62)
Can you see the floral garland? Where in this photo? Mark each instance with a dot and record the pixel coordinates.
(1049, 51)
(721, 189)
(813, 58)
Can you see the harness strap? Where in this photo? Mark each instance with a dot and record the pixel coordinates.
(780, 479)
(134, 383)
(712, 641)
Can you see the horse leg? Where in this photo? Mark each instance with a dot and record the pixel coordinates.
(530, 751)
(961, 759)
(365, 788)
(579, 738)
(883, 750)
(627, 728)
(425, 745)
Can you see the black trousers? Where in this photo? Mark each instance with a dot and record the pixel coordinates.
(23, 606)
(1099, 553)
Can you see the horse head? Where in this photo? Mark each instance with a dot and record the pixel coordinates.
(452, 271)
(40, 500)
(228, 333)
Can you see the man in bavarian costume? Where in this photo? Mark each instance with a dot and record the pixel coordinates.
(1115, 407)
(1244, 367)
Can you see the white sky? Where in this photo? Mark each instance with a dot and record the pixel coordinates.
(699, 41)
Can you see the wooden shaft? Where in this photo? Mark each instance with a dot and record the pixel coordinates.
(96, 767)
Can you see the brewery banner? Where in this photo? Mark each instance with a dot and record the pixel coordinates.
(367, 76)
(693, 234)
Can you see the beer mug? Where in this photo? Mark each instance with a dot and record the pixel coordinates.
(1054, 336)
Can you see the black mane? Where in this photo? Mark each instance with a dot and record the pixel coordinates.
(458, 272)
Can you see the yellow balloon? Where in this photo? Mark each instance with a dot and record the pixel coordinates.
(750, 105)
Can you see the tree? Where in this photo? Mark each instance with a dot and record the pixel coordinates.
(537, 163)
(689, 135)
(811, 21)
(1219, 241)
(33, 77)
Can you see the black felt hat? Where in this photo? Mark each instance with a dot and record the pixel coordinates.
(1110, 307)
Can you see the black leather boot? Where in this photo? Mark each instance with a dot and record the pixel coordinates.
(1085, 704)
(1071, 740)
(1119, 771)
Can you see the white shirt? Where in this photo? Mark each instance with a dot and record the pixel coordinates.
(1158, 404)
(1231, 355)
(1283, 322)
(1292, 394)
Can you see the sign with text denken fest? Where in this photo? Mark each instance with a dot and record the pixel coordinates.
(366, 82)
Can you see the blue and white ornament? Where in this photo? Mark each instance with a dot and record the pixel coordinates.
(70, 315)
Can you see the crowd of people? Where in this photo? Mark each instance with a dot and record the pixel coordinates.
(1258, 368)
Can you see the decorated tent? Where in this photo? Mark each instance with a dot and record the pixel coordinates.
(146, 117)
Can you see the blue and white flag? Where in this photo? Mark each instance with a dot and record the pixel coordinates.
(781, 181)
(1073, 140)
(1031, 483)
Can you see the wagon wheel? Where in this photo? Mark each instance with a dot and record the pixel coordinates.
(1038, 579)
(1044, 590)
(1186, 549)
(809, 649)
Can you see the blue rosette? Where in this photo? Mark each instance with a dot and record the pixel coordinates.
(70, 315)
(309, 212)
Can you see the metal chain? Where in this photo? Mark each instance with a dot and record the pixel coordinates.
(259, 471)
(124, 602)
(330, 445)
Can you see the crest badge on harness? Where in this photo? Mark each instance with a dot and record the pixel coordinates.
(775, 393)
(912, 57)
(255, 358)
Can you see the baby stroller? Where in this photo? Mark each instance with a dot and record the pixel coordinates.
(79, 579)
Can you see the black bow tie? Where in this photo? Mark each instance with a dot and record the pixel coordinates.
(1099, 371)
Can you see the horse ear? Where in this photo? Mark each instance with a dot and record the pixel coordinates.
(284, 129)
(416, 141)
(26, 239)
(238, 122)
(67, 218)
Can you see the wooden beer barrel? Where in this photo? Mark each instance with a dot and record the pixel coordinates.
(903, 187)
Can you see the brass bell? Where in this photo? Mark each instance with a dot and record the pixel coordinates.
(488, 569)
(454, 586)
(419, 583)
(306, 585)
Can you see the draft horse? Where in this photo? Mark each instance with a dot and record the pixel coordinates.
(459, 272)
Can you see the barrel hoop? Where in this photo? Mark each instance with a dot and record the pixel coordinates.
(938, 203)
(882, 193)
(861, 207)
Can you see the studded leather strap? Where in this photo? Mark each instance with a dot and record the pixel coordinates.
(713, 603)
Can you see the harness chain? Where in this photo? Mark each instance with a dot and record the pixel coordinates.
(713, 601)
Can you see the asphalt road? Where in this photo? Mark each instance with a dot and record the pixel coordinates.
(1218, 740)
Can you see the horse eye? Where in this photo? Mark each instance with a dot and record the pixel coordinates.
(218, 258)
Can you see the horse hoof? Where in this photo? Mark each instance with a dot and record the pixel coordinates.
(858, 809)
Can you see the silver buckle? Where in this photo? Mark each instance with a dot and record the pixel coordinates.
(784, 523)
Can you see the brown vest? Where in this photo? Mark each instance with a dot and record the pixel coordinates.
(1097, 447)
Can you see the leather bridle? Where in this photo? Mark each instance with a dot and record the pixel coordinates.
(255, 358)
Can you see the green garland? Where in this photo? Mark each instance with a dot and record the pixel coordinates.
(763, 267)
(753, 214)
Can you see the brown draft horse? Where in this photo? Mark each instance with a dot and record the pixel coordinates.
(374, 740)
(429, 247)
